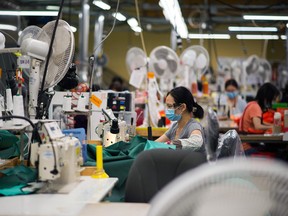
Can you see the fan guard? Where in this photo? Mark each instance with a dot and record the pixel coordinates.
(250, 186)
(135, 59)
(196, 57)
(62, 52)
(164, 62)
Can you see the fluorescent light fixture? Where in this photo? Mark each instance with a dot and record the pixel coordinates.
(101, 5)
(74, 29)
(52, 7)
(209, 36)
(172, 12)
(132, 22)
(283, 37)
(264, 17)
(262, 29)
(8, 27)
(136, 29)
(119, 16)
(29, 13)
(257, 37)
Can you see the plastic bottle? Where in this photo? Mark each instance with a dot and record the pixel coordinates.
(277, 123)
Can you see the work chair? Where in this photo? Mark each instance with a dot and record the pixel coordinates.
(211, 130)
(229, 145)
(153, 169)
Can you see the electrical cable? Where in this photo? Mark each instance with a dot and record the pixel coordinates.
(139, 21)
(144, 49)
(34, 131)
(49, 55)
(112, 28)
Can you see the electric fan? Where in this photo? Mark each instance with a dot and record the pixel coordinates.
(230, 187)
(35, 45)
(164, 63)
(136, 62)
(256, 71)
(195, 60)
(265, 71)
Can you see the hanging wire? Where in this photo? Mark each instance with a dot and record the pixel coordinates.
(141, 33)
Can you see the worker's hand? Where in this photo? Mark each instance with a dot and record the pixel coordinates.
(177, 143)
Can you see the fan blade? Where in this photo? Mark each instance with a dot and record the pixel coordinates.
(201, 61)
(158, 70)
(189, 58)
(172, 65)
(161, 53)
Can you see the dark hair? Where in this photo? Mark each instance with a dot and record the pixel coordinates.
(232, 82)
(183, 95)
(266, 94)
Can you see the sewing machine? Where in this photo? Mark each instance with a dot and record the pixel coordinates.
(112, 130)
(58, 159)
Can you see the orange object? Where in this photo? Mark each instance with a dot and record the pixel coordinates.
(150, 75)
(194, 88)
(205, 87)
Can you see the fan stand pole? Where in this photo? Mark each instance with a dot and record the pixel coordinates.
(92, 65)
(34, 84)
(149, 128)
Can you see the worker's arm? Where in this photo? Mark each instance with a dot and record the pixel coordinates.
(194, 141)
(258, 125)
(162, 138)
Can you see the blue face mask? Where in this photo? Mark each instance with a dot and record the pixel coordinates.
(232, 95)
(170, 114)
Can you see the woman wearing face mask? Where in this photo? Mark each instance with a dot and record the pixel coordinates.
(235, 104)
(185, 132)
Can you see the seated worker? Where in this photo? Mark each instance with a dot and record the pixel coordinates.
(251, 120)
(185, 132)
(252, 117)
(235, 105)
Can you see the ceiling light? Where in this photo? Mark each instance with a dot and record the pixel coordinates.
(136, 29)
(172, 12)
(262, 29)
(119, 16)
(264, 17)
(132, 22)
(74, 29)
(29, 13)
(257, 37)
(8, 27)
(52, 7)
(102, 5)
(283, 37)
(209, 36)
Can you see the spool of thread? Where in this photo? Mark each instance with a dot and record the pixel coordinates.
(67, 102)
(18, 109)
(9, 100)
(81, 103)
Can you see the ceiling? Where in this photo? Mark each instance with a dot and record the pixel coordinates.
(216, 14)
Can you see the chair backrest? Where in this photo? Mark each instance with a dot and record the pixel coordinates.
(211, 134)
(153, 169)
(230, 145)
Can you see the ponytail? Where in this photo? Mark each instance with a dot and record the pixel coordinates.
(197, 111)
